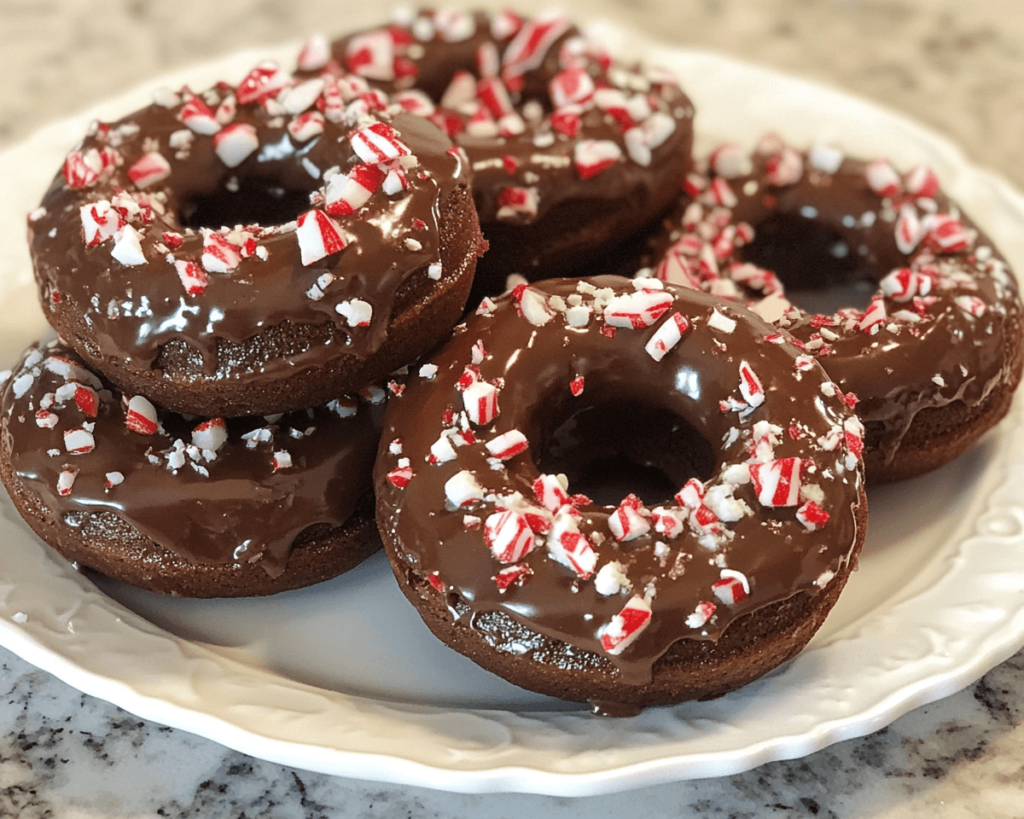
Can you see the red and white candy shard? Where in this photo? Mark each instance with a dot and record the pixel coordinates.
(626, 522)
(400, 476)
(508, 536)
(732, 588)
(626, 626)
(777, 483)
(378, 143)
(150, 169)
(282, 460)
(356, 312)
(463, 488)
(750, 386)
(127, 248)
(530, 46)
(220, 254)
(532, 305)
(667, 336)
(550, 492)
(318, 236)
(971, 305)
(812, 516)
(507, 445)
(701, 614)
(882, 178)
(100, 222)
(873, 317)
(315, 53)
(946, 234)
(571, 86)
(903, 284)
(372, 55)
(78, 441)
(511, 575)
(306, 126)
(211, 434)
(83, 170)
(909, 230)
(235, 143)
(347, 193)
(264, 80)
(87, 400)
(515, 201)
(65, 481)
(141, 415)
(592, 156)
(193, 278)
(785, 168)
(481, 402)
(729, 160)
(199, 117)
(637, 310)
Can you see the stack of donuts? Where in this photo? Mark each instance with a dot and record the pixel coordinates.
(355, 303)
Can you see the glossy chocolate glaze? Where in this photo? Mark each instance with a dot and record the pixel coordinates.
(239, 503)
(533, 364)
(134, 309)
(543, 161)
(955, 340)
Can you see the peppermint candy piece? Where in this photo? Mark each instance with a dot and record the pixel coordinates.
(78, 441)
(140, 416)
(812, 516)
(220, 254)
(400, 476)
(193, 278)
(198, 117)
(66, 481)
(127, 248)
(150, 169)
(481, 402)
(667, 336)
(550, 492)
(511, 575)
(372, 55)
(732, 588)
(637, 310)
(508, 536)
(507, 445)
(265, 80)
(356, 312)
(347, 193)
(378, 143)
(777, 483)
(626, 626)
(82, 170)
(315, 53)
(592, 156)
(210, 435)
(463, 488)
(515, 202)
(235, 143)
(784, 168)
(627, 522)
(572, 86)
(318, 236)
(882, 178)
(750, 386)
(531, 44)
(100, 221)
(903, 284)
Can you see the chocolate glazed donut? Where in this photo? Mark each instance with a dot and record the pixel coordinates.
(933, 351)
(190, 507)
(736, 520)
(572, 151)
(256, 249)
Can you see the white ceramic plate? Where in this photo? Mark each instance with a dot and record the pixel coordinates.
(343, 678)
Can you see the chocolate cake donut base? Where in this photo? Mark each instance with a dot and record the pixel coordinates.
(112, 547)
(749, 648)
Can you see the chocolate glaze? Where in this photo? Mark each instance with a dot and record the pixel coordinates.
(133, 310)
(541, 159)
(241, 509)
(929, 351)
(533, 365)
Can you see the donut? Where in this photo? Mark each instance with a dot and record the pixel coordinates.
(256, 249)
(931, 343)
(572, 151)
(182, 505)
(621, 492)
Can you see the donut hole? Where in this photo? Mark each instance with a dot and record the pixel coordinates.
(609, 450)
(245, 201)
(820, 270)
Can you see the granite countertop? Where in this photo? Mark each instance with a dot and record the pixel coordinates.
(958, 68)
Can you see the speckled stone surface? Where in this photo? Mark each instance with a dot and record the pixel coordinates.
(957, 67)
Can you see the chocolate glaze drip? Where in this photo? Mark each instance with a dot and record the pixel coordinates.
(957, 342)
(135, 309)
(232, 507)
(533, 365)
